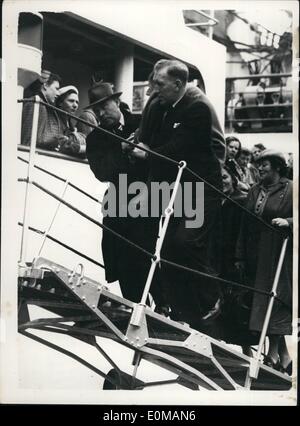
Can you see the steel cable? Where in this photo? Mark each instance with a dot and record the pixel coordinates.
(165, 158)
(157, 155)
(138, 247)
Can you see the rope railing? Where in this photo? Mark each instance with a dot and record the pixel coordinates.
(66, 246)
(62, 180)
(119, 139)
(86, 216)
(138, 247)
(138, 311)
(114, 137)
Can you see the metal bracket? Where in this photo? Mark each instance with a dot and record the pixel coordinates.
(137, 335)
(138, 314)
(88, 290)
(199, 343)
(75, 275)
(254, 368)
(30, 272)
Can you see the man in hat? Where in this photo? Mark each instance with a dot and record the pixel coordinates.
(91, 113)
(49, 131)
(110, 162)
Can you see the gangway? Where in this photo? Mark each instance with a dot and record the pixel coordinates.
(197, 359)
(85, 309)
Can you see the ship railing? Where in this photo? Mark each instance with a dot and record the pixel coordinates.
(257, 107)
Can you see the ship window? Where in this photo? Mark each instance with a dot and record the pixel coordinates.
(30, 30)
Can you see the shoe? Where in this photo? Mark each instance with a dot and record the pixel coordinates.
(162, 310)
(269, 362)
(123, 308)
(214, 313)
(288, 369)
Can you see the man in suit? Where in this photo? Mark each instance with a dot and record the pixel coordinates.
(184, 126)
(110, 162)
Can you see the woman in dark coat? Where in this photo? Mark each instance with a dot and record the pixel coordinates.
(231, 221)
(259, 249)
(236, 300)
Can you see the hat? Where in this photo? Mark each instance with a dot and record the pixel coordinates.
(64, 91)
(101, 92)
(267, 153)
(44, 77)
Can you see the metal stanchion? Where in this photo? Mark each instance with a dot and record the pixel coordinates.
(139, 308)
(30, 171)
(254, 364)
(54, 216)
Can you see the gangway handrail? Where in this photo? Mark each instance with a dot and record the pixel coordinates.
(146, 252)
(86, 216)
(82, 191)
(29, 181)
(117, 138)
(138, 315)
(55, 240)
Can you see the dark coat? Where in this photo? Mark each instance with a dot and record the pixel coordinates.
(105, 154)
(89, 116)
(260, 247)
(186, 132)
(151, 119)
(231, 223)
(107, 161)
(49, 127)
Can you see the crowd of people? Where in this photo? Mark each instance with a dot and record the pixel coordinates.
(180, 123)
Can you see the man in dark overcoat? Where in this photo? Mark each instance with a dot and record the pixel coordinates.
(110, 162)
(183, 126)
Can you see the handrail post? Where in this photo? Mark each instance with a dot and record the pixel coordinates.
(30, 170)
(254, 364)
(138, 310)
(54, 216)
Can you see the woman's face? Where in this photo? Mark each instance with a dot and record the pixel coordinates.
(256, 153)
(232, 149)
(70, 103)
(227, 182)
(267, 174)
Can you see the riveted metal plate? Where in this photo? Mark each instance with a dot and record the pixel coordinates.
(199, 343)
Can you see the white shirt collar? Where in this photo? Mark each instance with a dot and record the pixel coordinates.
(179, 99)
(122, 120)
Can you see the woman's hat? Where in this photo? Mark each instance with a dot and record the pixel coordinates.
(101, 92)
(66, 89)
(64, 92)
(272, 153)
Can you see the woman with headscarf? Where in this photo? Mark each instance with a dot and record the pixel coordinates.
(73, 142)
(258, 251)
